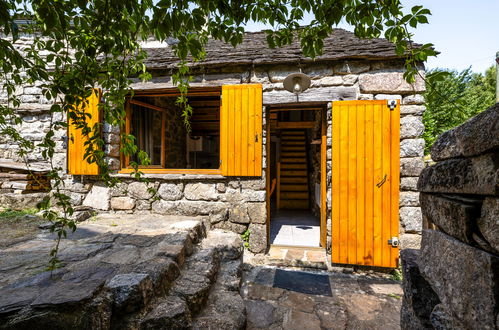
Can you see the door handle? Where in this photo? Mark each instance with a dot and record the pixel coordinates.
(382, 182)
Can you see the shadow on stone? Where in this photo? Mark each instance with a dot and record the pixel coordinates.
(308, 283)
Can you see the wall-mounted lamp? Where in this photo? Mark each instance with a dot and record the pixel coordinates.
(296, 83)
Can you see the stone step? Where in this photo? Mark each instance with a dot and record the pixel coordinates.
(216, 261)
(225, 307)
(302, 257)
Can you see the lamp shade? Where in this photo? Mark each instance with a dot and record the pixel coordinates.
(296, 82)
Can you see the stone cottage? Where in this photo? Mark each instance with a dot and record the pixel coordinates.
(332, 159)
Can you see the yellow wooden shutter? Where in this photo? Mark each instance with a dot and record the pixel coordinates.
(365, 182)
(241, 130)
(77, 164)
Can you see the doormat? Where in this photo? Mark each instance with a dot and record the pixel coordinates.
(302, 282)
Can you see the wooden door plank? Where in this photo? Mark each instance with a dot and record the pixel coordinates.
(352, 184)
(370, 186)
(360, 177)
(377, 200)
(395, 180)
(386, 188)
(343, 185)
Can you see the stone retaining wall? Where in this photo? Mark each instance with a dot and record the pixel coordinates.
(452, 283)
(227, 199)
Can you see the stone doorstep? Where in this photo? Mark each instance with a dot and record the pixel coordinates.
(297, 256)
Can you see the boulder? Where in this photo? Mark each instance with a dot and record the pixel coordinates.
(122, 203)
(477, 175)
(98, 197)
(477, 136)
(442, 319)
(201, 191)
(140, 190)
(419, 298)
(170, 191)
(464, 278)
(489, 222)
(455, 216)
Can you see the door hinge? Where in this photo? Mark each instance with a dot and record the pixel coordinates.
(391, 104)
(394, 241)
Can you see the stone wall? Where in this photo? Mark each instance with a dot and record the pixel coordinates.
(452, 283)
(230, 200)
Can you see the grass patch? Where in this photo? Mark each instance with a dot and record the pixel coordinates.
(397, 275)
(9, 213)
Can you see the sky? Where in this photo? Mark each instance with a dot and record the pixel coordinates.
(465, 32)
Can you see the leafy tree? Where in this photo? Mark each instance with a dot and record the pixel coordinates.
(82, 44)
(453, 97)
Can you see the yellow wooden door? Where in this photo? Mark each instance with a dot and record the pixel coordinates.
(77, 142)
(241, 130)
(365, 182)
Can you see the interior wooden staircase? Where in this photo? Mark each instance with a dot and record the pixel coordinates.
(292, 185)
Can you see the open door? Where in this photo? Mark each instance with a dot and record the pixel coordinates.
(365, 182)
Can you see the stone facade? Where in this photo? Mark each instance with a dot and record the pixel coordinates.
(452, 282)
(236, 203)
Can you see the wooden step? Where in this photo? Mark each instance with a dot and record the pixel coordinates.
(293, 143)
(294, 187)
(294, 204)
(298, 179)
(293, 166)
(293, 148)
(288, 172)
(290, 132)
(293, 154)
(292, 138)
(293, 160)
(294, 195)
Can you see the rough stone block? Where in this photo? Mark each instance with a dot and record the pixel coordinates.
(170, 191)
(327, 81)
(258, 238)
(417, 110)
(140, 190)
(98, 197)
(171, 313)
(350, 79)
(112, 150)
(412, 148)
(419, 297)
(325, 94)
(411, 166)
(409, 198)
(239, 214)
(389, 82)
(477, 175)
(455, 216)
(410, 241)
(489, 222)
(201, 191)
(130, 291)
(413, 99)
(257, 212)
(464, 278)
(411, 127)
(476, 136)
(387, 97)
(409, 183)
(349, 67)
(411, 219)
(122, 203)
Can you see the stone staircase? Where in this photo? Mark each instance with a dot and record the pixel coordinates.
(184, 278)
(293, 183)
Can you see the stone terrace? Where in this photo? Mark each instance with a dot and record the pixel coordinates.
(148, 272)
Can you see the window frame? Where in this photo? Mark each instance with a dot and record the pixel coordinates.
(165, 92)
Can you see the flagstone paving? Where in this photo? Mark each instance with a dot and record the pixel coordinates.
(289, 299)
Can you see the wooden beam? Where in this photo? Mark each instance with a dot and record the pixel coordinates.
(295, 109)
(147, 105)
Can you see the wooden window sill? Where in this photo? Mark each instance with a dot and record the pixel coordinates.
(172, 171)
